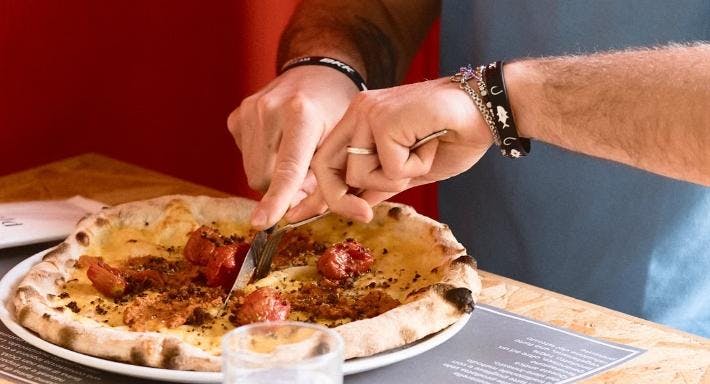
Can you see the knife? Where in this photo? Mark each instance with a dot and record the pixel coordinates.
(248, 267)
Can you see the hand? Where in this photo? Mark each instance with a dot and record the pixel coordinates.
(391, 120)
(278, 129)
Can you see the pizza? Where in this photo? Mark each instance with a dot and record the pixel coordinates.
(144, 282)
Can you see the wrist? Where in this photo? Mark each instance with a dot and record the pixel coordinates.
(328, 62)
(462, 116)
(523, 87)
(321, 78)
(351, 59)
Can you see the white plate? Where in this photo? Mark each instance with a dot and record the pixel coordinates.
(10, 280)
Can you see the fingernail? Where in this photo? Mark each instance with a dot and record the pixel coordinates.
(258, 218)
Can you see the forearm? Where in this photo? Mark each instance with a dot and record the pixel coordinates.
(645, 108)
(377, 37)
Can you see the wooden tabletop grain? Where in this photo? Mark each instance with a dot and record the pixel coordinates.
(673, 356)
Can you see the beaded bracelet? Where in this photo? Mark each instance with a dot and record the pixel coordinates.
(462, 77)
(492, 101)
(338, 65)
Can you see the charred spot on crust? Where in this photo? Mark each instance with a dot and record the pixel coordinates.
(66, 337)
(73, 306)
(137, 356)
(61, 248)
(461, 298)
(83, 238)
(170, 354)
(100, 222)
(395, 213)
(45, 316)
(418, 291)
(468, 260)
(26, 290)
(439, 288)
(23, 314)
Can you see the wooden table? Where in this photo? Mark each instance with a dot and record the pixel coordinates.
(673, 356)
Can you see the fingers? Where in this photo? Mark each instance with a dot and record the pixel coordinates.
(338, 172)
(315, 204)
(329, 166)
(276, 150)
(390, 121)
(310, 206)
(278, 128)
(257, 137)
(373, 198)
(308, 187)
(298, 143)
(363, 171)
(394, 165)
(397, 160)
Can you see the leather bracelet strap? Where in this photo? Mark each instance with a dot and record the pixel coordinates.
(511, 145)
(338, 65)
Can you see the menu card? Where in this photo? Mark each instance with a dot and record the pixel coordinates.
(30, 222)
(500, 347)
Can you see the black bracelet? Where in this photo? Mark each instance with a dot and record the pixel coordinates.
(327, 62)
(496, 98)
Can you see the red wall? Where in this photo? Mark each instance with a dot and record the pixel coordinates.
(148, 82)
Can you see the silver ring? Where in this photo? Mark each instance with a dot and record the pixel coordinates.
(360, 151)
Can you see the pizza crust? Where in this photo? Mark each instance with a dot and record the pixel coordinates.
(429, 310)
(425, 310)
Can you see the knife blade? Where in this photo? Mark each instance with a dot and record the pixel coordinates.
(248, 267)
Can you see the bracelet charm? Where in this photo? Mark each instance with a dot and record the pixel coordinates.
(492, 101)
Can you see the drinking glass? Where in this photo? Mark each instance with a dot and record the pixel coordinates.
(282, 352)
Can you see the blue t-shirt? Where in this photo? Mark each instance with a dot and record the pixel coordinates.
(589, 228)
